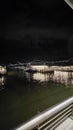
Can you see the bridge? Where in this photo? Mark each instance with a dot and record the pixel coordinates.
(70, 60)
(63, 65)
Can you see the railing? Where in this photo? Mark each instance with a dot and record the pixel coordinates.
(51, 118)
(69, 2)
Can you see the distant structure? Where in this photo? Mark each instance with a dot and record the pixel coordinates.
(69, 2)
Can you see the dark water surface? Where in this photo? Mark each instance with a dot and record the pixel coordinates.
(23, 95)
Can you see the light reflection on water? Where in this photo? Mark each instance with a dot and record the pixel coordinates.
(63, 77)
(56, 76)
(2, 82)
(41, 77)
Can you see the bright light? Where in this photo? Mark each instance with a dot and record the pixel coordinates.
(41, 77)
(2, 70)
(40, 67)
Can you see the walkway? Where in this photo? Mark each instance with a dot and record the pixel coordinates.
(66, 125)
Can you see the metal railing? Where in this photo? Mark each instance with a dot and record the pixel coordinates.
(69, 2)
(51, 118)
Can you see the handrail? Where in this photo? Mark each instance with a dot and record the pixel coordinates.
(43, 116)
(70, 3)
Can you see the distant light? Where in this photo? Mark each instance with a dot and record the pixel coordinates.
(40, 67)
(69, 2)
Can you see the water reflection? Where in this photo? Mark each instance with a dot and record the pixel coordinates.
(56, 76)
(28, 76)
(2, 82)
(63, 77)
(41, 77)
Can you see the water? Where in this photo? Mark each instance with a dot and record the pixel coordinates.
(23, 94)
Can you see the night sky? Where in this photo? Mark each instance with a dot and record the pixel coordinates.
(35, 29)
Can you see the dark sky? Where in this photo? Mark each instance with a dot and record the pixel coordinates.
(29, 25)
(27, 13)
(34, 13)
